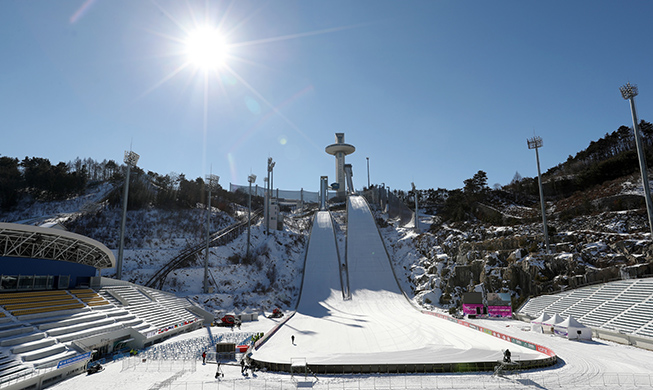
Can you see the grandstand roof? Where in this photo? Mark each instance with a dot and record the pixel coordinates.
(53, 244)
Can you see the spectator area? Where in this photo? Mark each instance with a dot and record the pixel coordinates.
(623, 306)
(39, 329)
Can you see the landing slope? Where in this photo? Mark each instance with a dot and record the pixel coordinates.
(378, 325)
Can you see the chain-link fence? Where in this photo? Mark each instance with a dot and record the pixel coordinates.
(415, 382)
(138, 363)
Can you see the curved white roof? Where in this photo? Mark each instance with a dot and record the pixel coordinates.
(345, 148)
(53, 244)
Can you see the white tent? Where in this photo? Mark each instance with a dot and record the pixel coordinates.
(536, 324)
(572, 329)
(548, 325)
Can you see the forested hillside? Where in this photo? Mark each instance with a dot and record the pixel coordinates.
(612, 157)
(37, 179)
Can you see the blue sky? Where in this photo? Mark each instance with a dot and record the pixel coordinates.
(430, 91)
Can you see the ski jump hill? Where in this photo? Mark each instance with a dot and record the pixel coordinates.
(352, 316)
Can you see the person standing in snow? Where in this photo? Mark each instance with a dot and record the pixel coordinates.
(292, 339)
(204, 357)
(506, 356)
(219, 372)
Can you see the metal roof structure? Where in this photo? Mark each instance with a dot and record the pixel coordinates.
(53, 244)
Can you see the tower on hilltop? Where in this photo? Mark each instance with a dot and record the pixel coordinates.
(340, 149)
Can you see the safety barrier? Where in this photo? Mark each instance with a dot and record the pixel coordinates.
(514, 340)
(545, 380)
(138, 363)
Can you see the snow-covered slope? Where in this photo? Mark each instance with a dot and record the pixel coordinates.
(377, 325)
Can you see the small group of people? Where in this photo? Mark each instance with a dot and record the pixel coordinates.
(244, 366)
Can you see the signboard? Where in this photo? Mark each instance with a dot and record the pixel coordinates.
(498, 299)
(74, 359)
(523, 343)
(499, 305)
(473, 309)
(499, 311)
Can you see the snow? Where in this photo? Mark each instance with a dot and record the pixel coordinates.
(380, 323)
(584, 365)
(377, 325)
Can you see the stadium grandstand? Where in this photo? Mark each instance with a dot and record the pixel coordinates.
(621, 310)
(57, 313)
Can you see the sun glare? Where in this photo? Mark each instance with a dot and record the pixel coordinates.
(206, 48)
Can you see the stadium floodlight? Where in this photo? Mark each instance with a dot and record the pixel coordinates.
(130, 159)
(536, 143)
(250, 179)
(629, 92)
(210, 178)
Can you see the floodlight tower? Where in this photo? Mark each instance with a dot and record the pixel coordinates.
(250, 179)
(130, 159)
(416, 207)
(535, 143)
(269, 194)
(210, 179)
(368, 172)
(340, 149)
(629, 92)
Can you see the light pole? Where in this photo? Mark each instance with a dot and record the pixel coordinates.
(270, 168)
(250, 179)
(368, 172)
(535, 143)
(266, 193)
(210, 179)
(416, 218)
(130, 159)
(629, 92)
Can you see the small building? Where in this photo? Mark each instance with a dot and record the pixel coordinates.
(473, 304)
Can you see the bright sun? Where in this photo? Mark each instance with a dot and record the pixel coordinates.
(206, 48)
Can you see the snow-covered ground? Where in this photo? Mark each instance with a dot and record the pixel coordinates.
(582, 365)
(377, 325)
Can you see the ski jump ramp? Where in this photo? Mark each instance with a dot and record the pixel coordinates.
(377, 329)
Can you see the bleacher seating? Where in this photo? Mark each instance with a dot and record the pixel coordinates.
(26, 303)
(156, 308)
(37, 328)
(623, 306)
(12, 368)
(89, 297)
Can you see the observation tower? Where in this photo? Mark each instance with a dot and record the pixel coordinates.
(340, 149)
